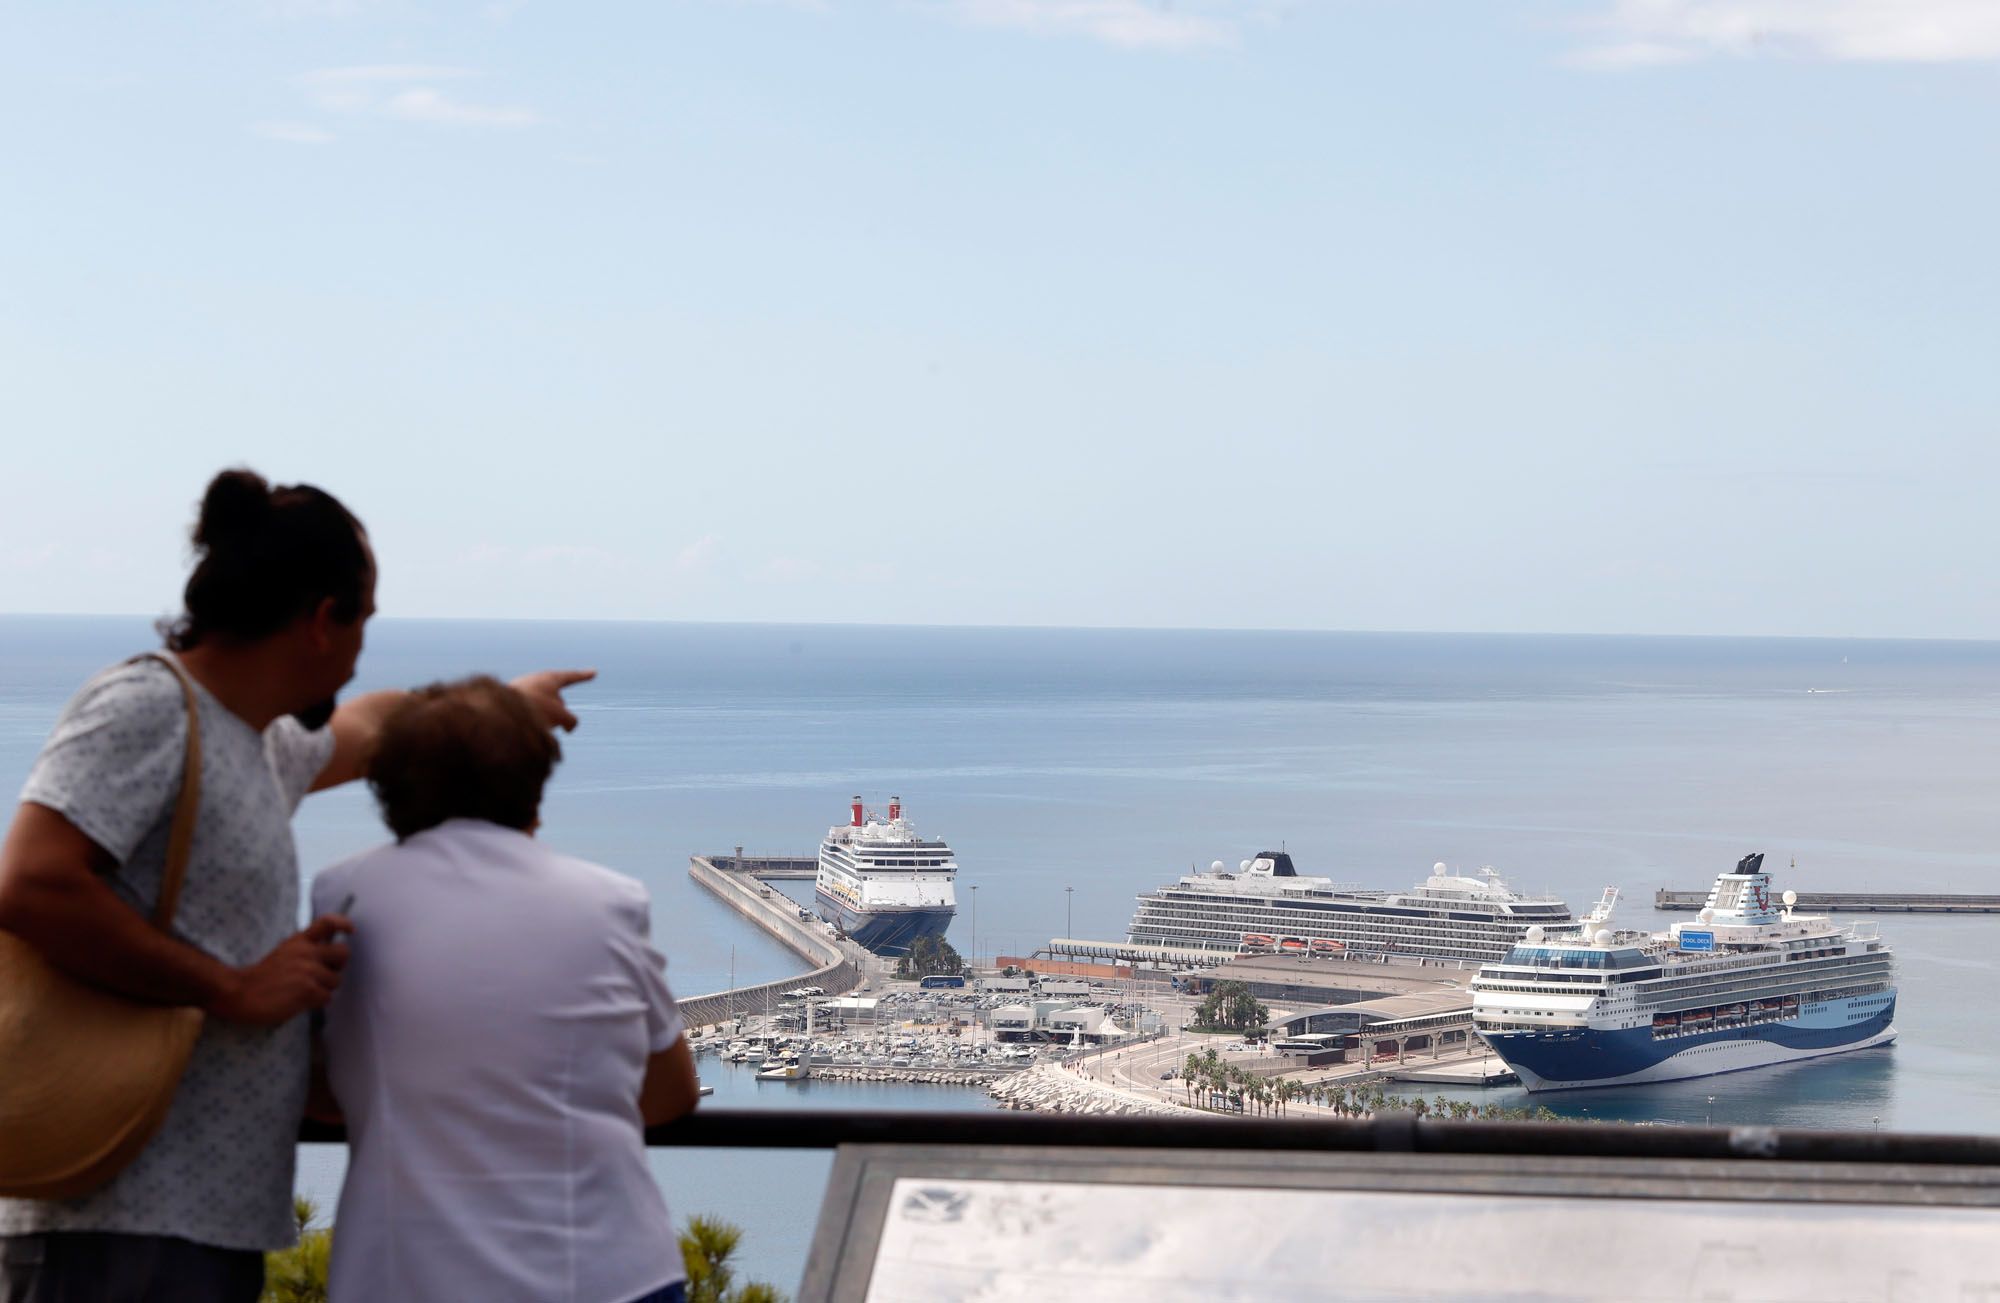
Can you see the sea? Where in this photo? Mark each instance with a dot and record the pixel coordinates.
(1072, 769)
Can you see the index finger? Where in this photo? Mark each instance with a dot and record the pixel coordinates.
(570, 678)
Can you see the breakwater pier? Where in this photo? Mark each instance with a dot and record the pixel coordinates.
(833, 965)
(1853, 902)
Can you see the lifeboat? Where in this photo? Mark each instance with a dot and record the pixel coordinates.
(1325, 947)
(1255, 941)
(1292, 946)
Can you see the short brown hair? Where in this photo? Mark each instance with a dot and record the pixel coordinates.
(472, 749)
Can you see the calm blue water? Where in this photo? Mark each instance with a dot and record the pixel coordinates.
(1106, 762)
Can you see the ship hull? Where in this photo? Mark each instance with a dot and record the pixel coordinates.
(887, 931)
(1589, 1058)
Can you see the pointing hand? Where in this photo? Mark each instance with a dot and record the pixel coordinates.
(544, 690)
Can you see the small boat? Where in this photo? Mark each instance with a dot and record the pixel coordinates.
(703, 1090)
(1256, 943)
(1292, 946)
(789, 1070)
(1323, 946)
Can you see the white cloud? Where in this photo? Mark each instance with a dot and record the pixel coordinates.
(557, 555)
(356, 89)
(790, 570)
(37, 556)
(1636, 32)
(299, 9)
(425, 104)
(407, 92)
(1631, 54)
(697, 556)
(292, 133)
(1152, 24)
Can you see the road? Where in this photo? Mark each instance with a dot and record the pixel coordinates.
(1138, 1069)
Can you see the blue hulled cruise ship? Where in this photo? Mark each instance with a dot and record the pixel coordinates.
(883, 885)
(1746, 985)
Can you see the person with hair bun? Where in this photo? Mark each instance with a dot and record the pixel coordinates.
(271, 628)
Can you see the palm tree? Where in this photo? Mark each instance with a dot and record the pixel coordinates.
(298, 1274)
(706, 1247)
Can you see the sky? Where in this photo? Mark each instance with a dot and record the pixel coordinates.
(1596, 316)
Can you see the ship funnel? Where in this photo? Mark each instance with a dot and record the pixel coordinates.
(895, 808)
(857, 812)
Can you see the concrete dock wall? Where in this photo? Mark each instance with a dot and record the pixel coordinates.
(777, 914)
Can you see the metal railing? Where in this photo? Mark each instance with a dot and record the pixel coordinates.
(1394, 1133)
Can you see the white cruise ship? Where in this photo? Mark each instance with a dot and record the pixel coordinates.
(1267, 907)
(1745, 985)
(883, 885)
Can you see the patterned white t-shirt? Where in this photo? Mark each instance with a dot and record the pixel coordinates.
(219, 1172)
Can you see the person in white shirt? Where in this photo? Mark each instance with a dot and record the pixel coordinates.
(502, 1035)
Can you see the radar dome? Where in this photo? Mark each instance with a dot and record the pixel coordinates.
(1217, 867)
(1439, 868)
(1790, 898)
(1533, 936)
(1243, 867)
(1603, 936)
(1707, 915)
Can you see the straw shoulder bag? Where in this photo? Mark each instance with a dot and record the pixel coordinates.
(86, 1076)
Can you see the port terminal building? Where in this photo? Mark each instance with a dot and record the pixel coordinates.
(1288, 980)
(1388, 1030)
(1063, 1021)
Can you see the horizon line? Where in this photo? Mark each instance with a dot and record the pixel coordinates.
(1079, 628)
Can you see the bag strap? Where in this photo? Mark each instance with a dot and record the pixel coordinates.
(180, 837)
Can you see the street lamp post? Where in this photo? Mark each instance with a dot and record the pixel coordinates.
(973, 911)
(1069, 898)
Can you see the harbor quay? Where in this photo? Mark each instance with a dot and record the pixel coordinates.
(835, 966)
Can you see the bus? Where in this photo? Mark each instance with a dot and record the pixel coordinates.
(941, 982)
